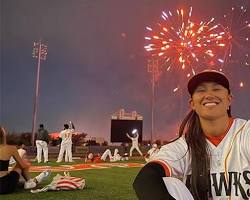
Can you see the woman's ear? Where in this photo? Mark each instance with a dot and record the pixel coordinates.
(230, 97)
(191, 103)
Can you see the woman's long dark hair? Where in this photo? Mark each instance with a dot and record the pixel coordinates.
(198, 149)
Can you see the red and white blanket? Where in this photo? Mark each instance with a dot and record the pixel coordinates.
(65, 182)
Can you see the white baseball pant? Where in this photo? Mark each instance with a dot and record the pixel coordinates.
(42, 146)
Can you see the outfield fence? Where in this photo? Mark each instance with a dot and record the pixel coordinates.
(82, 151)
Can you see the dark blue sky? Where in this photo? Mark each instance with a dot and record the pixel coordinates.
(96, 64)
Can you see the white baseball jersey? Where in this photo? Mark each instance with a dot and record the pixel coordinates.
(229, 162)
(134, 140)
(151, 153)
(66, 136)
(21, 153)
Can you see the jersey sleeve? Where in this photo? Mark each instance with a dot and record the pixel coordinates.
(149, 183)
(246, 139)
(174, 158)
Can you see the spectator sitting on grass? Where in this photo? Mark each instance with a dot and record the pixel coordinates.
(9, 180)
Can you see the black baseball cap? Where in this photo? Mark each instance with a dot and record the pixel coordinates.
(208, 75)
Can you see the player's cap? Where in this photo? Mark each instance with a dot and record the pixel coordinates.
(208, 76)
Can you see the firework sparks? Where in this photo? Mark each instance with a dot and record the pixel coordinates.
(241, 84)
(180, 42)
(237, 29)
(176, 89)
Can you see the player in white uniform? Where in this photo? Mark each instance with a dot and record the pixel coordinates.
(66, 144)
(22, 153)
(107, 153)
(211, 155)
(134, 140)
(151, 152)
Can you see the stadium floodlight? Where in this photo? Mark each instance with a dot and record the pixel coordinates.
(155, 70)
(40, 53)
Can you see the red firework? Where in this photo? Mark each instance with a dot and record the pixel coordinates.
(177, 41)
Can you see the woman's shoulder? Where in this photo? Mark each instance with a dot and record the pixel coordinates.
(9, 147)
(5, 145)
(7, 151)
(177, 140)
(238, 123)
(241, 126)
(240, 120)
(178, 143)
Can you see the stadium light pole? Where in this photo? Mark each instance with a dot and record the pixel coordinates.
(153, 68)
(40, 53)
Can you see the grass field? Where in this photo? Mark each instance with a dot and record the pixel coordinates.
(101, 184)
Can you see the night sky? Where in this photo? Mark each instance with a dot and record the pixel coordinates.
(96, 65)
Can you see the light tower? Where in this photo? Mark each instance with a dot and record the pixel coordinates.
(153, 68)
(40, 53)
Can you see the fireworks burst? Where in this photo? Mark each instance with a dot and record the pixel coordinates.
(179, 42)
(237, 29)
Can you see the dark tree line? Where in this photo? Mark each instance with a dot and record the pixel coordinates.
(25, 138)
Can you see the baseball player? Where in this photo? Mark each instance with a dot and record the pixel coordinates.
(91, 158)
(42, 141)
(107, 153)
(134, 142)
(151, 152)
(211, 154)
(22, 153)
(66, 144)
(116, 156)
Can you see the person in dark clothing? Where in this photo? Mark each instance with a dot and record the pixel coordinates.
(42, 144)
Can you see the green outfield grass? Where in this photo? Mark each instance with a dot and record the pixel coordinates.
(101, 184)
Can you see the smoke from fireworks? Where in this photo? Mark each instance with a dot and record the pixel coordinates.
(237, 29)
(179, 42)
